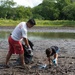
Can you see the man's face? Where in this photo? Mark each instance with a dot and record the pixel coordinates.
(29, 25)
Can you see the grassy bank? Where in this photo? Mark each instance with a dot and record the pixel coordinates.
(4, 22)
(55, 23)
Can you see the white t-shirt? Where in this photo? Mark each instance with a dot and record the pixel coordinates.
(20, 31)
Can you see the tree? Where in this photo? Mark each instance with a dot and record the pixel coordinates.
(23, 12)
(69, 11)
(7, 3)
(47, 10)
(7, 10)
(60, 5)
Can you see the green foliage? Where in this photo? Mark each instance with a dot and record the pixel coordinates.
(69, 11)
(8, 3)
(44, 23)
(56, 23)
(47, 10)
(51, 9)
(4, 22)
(8, 11)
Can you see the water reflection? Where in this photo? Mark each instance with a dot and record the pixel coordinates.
(52, 35)
(42, 35)
(4, 35)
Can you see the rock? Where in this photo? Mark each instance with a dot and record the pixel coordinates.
(71, 62)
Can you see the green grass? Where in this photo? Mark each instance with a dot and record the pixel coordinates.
(5, 22)
(55, 23)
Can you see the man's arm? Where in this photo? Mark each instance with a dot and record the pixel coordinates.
(26, 42)
(29, 50)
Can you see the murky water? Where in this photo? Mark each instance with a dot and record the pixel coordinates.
(42, 35)
(51, 35)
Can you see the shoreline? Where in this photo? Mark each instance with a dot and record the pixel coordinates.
(42, 29)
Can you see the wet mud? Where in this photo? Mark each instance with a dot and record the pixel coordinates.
(66, 59)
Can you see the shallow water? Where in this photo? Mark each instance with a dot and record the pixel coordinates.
(51, 35)
(41, 35)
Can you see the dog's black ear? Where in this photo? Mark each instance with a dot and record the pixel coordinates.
(31, 44)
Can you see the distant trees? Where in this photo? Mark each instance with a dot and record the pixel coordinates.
(8, 11)
(69, 12)
(22, 12)
(48, 10)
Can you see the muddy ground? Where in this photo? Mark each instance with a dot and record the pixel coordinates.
(66, 59)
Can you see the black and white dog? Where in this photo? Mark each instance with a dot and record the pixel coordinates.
(27, 56)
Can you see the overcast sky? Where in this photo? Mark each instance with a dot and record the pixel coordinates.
(27, 3)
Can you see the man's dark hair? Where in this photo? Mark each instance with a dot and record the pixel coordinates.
(32, 21)
(48, 52)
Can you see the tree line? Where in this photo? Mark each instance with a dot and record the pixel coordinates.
(47, 10)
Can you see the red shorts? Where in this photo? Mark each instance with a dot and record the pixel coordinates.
(15, 47)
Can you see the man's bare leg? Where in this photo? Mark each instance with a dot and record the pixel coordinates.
(22, 59)
(7, 58)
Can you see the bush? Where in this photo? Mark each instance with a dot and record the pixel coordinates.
(69, 12)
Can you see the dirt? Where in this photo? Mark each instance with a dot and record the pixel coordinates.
(66, 59)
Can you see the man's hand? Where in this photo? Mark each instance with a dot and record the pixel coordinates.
(55, 62)
(26, 42)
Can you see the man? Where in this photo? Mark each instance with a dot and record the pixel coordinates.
(15, 46)
(52, 51)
